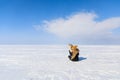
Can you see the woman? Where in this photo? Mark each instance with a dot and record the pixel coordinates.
(74, 53)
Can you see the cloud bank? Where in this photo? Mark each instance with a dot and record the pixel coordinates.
(84, 26)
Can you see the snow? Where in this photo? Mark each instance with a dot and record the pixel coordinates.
(50, 62)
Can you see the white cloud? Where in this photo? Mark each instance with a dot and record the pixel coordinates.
(82, 26)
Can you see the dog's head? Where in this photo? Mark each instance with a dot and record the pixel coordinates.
(73, 47)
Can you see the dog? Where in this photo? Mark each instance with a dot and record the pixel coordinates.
(74, 52)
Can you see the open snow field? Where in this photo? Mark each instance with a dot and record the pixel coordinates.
(50, 62)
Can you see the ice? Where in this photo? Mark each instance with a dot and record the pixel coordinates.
(50, 62)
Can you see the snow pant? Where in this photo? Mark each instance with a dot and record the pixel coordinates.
(76, 58)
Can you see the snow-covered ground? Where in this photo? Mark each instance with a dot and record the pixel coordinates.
(50, 62)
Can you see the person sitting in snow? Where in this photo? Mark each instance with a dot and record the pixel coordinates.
(74, 53)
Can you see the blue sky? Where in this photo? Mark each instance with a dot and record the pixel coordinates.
(40, 21)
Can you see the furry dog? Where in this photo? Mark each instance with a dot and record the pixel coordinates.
(74, 52)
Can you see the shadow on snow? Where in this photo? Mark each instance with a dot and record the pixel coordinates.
(82, 58)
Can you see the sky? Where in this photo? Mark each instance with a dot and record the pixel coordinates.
(83, 22)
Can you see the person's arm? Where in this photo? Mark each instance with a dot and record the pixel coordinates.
(70, 53)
